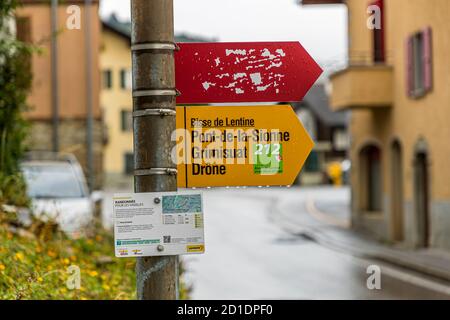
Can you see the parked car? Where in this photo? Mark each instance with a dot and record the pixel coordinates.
(58, 190)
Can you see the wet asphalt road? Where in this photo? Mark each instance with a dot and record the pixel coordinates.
(250, 257)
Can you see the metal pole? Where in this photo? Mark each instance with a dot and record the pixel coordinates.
(89, 124)
(153, 48)
(54, 74)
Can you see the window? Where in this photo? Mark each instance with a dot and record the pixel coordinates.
(107, 79)
(419, 64)
(53, 181)
(126, 120)
(23, 34)
(23, 29)
(341, 140)
(129, 163)
(125, 79)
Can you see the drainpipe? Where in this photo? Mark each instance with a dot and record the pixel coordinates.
(54, 76)
(89, 107)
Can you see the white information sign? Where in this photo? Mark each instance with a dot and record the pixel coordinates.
(158, 224)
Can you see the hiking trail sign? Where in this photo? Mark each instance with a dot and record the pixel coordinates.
(239, 146)
(243, 72)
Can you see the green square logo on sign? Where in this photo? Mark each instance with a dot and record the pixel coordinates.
(268, 159)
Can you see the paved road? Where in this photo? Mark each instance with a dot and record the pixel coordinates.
(250, 257)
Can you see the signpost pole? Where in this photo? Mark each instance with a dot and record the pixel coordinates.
(154, 121)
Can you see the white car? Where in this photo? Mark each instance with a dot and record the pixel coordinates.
(59, 192)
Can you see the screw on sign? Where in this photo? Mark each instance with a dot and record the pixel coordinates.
(244, 72)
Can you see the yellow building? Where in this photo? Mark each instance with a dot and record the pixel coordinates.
(116, 101)
(397, 84)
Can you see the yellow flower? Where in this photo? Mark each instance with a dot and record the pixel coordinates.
(2, 267)
(39, 279)
(66, 261)
(93, 273)
(19, 256)
(83, 298)
(106, 287)
(73, 258)
(51, 253)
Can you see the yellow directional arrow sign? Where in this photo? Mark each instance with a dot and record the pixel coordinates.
(239, 146)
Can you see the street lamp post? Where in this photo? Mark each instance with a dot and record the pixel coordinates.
(154, 113)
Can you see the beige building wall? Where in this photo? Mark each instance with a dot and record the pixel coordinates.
(71, 61)
(72, 77)
(116, 56)
(359, 36)
(408, 120)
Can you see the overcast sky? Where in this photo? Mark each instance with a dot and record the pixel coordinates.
(321, 29)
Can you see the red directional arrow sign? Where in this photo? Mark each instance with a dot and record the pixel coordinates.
(244, 72)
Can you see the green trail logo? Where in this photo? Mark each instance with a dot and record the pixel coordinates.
(268, 159)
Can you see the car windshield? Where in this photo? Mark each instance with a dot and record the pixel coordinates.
(52, 181)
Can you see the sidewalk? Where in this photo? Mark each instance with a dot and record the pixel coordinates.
(331, 229)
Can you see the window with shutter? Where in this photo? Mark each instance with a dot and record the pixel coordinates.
(427, 59)
(122, 79)
(107, 79)
(418, 69)
(126, 120)
(125, 79)
(409, 67)
(23, 34)
(23, 29)
(419, 75)
(129, 163)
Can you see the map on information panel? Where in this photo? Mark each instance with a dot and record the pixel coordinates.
(181, 204)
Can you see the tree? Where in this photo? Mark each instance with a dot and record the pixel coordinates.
(15, 82)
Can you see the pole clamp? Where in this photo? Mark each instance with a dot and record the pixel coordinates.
(155, 46)
(152, 93)
(156, 171)
(154, 112)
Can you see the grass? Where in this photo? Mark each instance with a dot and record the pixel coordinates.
(38, 264)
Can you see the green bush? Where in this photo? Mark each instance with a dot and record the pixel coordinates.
(15, 82)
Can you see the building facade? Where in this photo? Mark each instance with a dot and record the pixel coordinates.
(397, 85)
(76, 84)
(116, 101)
